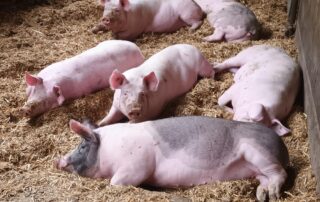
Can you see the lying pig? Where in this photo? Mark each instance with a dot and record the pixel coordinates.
(142, 92)
(265, 86)
(180, 152)
(128, 19)
(231, 20)
(79, 75)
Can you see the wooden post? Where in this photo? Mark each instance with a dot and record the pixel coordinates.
(292, 8)
(308, 41)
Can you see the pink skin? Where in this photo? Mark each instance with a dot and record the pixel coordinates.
(78, 76)
(265, 87)
(142, 92)
(232, 21)
(128, 19)
(180, 152)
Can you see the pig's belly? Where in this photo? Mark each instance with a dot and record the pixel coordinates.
(173, 173)
(164, 27)
(166, 20)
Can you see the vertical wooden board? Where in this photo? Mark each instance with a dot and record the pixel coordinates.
(292, 11)
(308, 40)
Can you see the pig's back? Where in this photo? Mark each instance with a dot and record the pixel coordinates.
(98, 61)
(209, 143)
(176, 64)
(271, 79)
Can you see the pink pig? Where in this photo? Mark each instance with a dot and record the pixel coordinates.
(265, 87)
(128, 19)
(180, 152)
(79, 75)
(231, 20)
(142, 92)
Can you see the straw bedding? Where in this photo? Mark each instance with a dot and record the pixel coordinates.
(37, 34)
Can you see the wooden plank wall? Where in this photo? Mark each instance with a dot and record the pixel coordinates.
(308, 42)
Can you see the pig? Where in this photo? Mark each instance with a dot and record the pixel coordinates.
(266, 83)
(79, 75)
(142, 92)
(127, 19)
(180, 152)
(231, 20)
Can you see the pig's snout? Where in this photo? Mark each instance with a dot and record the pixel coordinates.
(134, 114)
(135, 111)
(26, 110)
(105, 21)
(56, 163)
(61, 164)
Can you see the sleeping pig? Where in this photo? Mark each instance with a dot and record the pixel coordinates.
(127, 19)
(142, 92)
(79, 75)
(265, 86)
(180, 152)
(231, 20)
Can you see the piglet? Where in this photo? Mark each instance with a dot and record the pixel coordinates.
(127, 19)
(142, 92)
(180, 152)
(265, 87)
(231, 20)
(79, 75)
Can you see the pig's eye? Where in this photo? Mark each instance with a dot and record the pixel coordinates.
(82, 148)
(142, 94)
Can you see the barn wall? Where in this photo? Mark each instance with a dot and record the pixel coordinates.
(308, 42)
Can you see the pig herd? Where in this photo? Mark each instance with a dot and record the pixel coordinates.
(178, 151)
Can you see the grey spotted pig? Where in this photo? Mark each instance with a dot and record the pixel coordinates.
(180, 152)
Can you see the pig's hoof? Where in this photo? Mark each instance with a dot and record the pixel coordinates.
(191, 30)
(274, 192)
(262, 194)
(195, 26)
(206, 39)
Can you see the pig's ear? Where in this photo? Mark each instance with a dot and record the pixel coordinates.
(151, 81)
(117, 79)
(257, 113)
(102, 2)
(32, 80)
(85, 132)
(279, 128)
(124, 4)
(58, 93)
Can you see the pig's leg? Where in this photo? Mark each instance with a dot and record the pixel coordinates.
(113, 116)
(246, 37)
(137, 169)
(127, 35)
(206, 69)
(232, 64)
(129, 176)
(262, 189)
(98, 28)
(277, 176)
(217, 36)
(226, 97)
(270, 174)
(238, 36)
(192, 18)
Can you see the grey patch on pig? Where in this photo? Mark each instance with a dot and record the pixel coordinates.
(218, 139)
(267, 140)
(233, 15)
(189, 134)
(85, 155)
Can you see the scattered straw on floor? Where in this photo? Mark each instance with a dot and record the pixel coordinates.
(38, 35)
